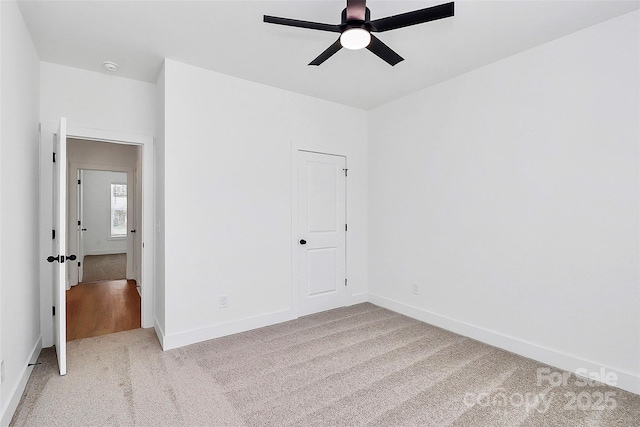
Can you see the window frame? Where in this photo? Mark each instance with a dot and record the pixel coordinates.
(111, 210)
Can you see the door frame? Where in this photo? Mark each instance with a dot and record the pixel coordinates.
(147, 281)
(295, 278)
(80, 217)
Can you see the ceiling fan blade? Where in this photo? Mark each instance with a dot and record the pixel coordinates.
(356, 10)
(383, 51)
(328, 53)
(302, 24)
(412, 18)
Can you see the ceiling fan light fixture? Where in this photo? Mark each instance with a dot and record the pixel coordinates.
(355, 38)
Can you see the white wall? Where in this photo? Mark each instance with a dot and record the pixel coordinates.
(1, 141)
(20, 333)
(96, 187)
(510, 195)
(96, 100)
(93, 101)
(228, 198)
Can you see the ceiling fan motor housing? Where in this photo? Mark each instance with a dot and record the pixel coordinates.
(346, 24)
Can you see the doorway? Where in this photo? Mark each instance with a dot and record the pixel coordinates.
(104, 203)
(54, 179)
(105, 209)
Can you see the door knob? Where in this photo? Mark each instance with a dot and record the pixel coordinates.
(84, 229)
(61, 258)
(303, 242)
(133, 231)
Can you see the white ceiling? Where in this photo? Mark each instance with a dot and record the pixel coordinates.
(229, 37)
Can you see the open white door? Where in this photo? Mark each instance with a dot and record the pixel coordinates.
(59, 258)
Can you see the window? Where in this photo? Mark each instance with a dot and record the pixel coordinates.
(118, 210)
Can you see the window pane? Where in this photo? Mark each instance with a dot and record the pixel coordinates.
(118, 210)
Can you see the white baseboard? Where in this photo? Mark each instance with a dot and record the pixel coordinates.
(216, 331)
(625, 380)
(16, 393)
(105, 252)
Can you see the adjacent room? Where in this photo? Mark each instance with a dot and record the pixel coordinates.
(320, 213)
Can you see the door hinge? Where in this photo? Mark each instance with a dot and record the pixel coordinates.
(54, 310)
(345, 282)
(79, 182)
(79, 264)
(79, 223)
(54, 157)
(53, 234)
(345, 171)
(345, 227)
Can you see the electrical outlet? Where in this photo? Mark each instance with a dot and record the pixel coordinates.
(222, 301)
(414, 288)
(2, 371)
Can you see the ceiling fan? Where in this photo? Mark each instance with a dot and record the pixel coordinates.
(356, 27)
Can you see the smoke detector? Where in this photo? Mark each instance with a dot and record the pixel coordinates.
(111, 66)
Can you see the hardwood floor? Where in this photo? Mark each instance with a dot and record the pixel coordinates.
(102, 308)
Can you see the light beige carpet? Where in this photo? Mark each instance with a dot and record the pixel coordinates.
(98, 268)
(359, 365)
